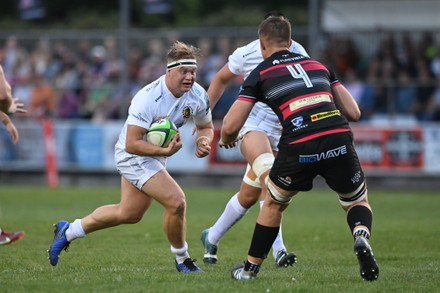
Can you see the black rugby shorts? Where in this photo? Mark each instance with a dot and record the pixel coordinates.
(332, 156)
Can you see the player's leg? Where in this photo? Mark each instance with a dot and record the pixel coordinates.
(235, 209)
(359, 220)
(168, 193)
(346, 177)
(130, 210)
(242, 201)
(165, 190)
(265, 232)
(257, 148)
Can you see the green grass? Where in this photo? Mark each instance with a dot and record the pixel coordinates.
(137, 258)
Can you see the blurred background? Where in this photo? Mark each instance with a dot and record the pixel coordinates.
(77, 64)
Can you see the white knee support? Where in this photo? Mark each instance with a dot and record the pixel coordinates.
(263, 163)
(255, 183)
(276, 195)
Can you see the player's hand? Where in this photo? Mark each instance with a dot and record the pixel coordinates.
(231, 144)
(175, 144)
(16, 107)
(203, 147)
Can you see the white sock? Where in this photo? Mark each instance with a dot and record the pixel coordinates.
(278, 244)
(232, 213)
(181, 253)
(75, 230)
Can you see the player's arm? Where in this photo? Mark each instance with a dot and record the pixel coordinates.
(345, 102)
(135, 143)
(5, 92)
(233, 122)
(218, 84)
(205, 134)
(8, 104)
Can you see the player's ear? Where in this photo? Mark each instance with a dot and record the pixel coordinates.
(290, 43)
(262, 45)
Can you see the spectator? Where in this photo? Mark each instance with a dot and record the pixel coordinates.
(42, 103)
(424, 92)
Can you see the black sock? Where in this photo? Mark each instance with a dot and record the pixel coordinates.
(262, 240)
(251, 267)
(360, 216)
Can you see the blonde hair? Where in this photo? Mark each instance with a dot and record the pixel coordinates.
(180, 50)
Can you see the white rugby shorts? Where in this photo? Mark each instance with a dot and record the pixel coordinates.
(263, 119)
(138, 169)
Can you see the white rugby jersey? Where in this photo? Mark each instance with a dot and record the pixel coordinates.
(244, 59)
(155, 101)
(241, 62)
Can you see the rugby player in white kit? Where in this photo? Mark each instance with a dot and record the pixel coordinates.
(142, 165)
(258, 144)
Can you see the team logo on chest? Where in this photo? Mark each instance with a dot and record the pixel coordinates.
(298, 121)
(187, 112)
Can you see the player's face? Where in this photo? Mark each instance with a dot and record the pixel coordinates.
(181, 80)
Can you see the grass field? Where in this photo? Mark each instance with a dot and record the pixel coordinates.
(137, 258)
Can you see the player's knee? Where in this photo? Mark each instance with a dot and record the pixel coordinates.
(276, 195)
(248, 196)
(355, 197)
(250, 178)
(177, 205)
(263, 163)
(132, 217)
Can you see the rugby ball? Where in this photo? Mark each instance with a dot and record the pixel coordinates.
(161, 132)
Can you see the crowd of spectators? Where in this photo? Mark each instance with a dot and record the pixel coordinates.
(82, 79)
(402, 77)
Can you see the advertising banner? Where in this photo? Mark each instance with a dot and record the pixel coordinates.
(85, 145)
(389, 147)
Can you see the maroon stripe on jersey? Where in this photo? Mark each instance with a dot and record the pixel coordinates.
(319, 134)
(275, 67)
(310, 65)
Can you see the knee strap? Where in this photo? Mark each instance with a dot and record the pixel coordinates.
(276, 195)
(347, 199)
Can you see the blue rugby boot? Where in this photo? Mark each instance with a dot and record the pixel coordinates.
(59, 242)
(188, 266)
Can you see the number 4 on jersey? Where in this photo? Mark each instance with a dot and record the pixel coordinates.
(299, 72)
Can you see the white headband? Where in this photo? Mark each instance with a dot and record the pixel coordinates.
(182, 62)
